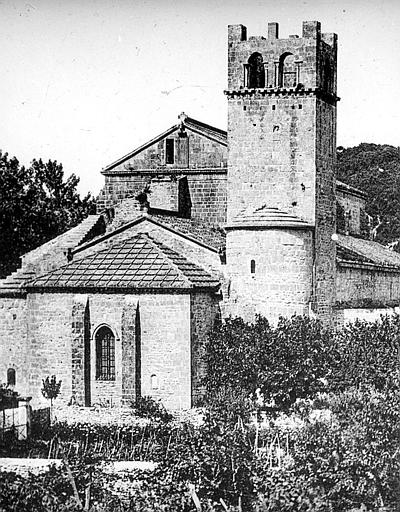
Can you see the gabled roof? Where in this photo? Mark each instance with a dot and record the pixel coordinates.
(210, 237)
(197, 231)
(70, 239)
(139, 263)
(215, 134)
(357, 250)
(266, 217)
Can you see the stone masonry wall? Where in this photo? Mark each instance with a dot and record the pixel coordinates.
(363, 287)
(48, 348)
(207, 192)
(49, 339)
(281, 284)
(204, 312)
(13, 341)
(205, 169)
(325, 211)
(345, 316)
(202, 153)
(272, 154)
(353, 206)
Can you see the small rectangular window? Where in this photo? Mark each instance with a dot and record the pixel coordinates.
(169, 151)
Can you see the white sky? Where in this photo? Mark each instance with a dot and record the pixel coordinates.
(84, 82)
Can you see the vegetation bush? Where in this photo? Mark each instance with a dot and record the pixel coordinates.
(285, 362)
(299, 358)
(8, 397)
(147, 407)
(344, 460)
(366, 354)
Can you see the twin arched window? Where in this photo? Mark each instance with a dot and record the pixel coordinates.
(105, 354)
(286, 71)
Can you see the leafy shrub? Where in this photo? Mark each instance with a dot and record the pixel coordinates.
(366, 354)
(228, 404)
(285, 362)
(299, 357)
(8, 397)
(147, 407)
(51, 388)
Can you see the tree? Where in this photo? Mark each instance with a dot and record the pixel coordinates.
(375, 169)
(50, 390)
(36, 205)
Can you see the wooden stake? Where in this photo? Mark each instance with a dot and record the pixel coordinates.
(73, 484)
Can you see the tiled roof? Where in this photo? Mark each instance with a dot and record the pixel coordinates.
(340, 185)
(266, 217)
(212, 236)
(358, 250)
(31, 260)
(137, 263)
(70, 239)
(207, 130)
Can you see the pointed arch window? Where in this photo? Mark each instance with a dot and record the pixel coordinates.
(105, 354)
(255, 71)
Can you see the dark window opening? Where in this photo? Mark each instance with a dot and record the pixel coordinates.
(105, 354)
(328, 77)
(252, 267)
(255, 71)
(11, 377)
(287, 71)
(300, 106)
(169, 151)
(273, 107)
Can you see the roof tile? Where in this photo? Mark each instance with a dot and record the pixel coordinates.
(139, 262)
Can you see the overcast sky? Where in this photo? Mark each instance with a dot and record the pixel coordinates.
(86, 81)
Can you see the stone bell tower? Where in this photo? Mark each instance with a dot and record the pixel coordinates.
(281, 180)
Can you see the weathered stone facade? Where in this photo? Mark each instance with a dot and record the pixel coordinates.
(281, 151)
(200, 224)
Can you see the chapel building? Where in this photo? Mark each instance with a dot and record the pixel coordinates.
(196, 225)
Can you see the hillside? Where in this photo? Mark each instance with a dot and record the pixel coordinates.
(375, 169)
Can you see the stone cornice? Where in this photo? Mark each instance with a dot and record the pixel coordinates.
(362, 265)
(284, 91)
(367, 304)
(166, 171)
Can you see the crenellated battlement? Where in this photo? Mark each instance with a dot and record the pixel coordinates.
(311, 30)
(269, 62)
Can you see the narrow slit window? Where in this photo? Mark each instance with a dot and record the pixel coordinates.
(11, 377)
(154, 381)
(169, 151)
(252, 267)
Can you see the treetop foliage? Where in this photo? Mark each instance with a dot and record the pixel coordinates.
(299, 357)
(37, 204)
(375, 169)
